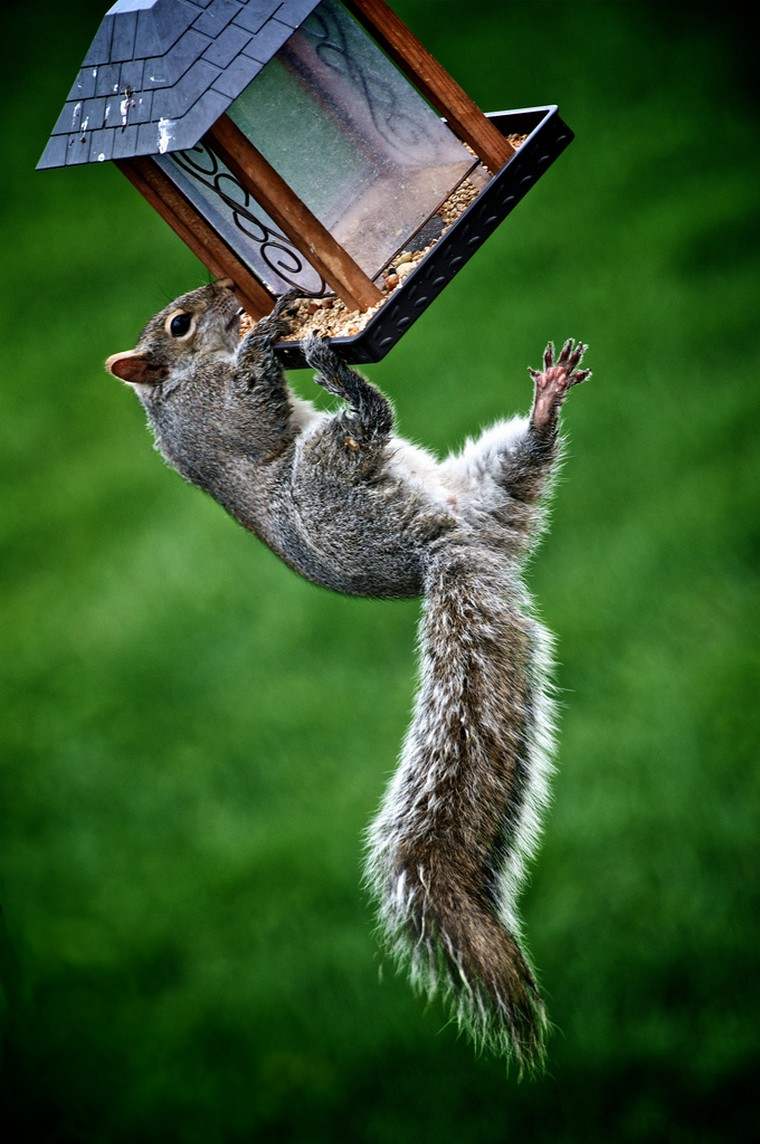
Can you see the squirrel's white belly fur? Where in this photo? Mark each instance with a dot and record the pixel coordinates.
(421, 470)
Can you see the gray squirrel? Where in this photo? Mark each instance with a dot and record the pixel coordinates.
(354, 508)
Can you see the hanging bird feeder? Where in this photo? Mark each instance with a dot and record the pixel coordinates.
(310, 144)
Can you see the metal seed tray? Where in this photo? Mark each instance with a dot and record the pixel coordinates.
(548, 136)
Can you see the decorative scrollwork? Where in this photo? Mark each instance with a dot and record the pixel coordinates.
(327, 28)
(277, 253)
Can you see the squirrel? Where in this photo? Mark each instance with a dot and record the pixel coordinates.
(351, 506)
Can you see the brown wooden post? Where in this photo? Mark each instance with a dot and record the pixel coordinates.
(294, 218)
(186, 222)
(431, 78)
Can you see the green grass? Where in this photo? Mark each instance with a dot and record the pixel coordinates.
(193, 739)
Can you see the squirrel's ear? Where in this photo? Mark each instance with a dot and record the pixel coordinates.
(135, 368)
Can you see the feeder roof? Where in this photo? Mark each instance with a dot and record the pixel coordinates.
(159, 74)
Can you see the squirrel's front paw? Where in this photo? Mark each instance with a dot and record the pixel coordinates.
(277, 324)
(556, 378)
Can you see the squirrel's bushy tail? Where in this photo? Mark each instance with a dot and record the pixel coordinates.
(462, 813)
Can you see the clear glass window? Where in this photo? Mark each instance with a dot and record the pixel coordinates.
(351, 136)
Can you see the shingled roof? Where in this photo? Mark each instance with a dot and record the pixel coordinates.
(159, 73)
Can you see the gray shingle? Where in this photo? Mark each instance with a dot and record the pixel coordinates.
(101, 146)
(172, 19)
(268, 41)
(125, 143)
(149, 137)
(218, 15)
(107, 79)
(78, 149)
(70, 118)
(54, 154)
(228, 45)
(140, 109)
(166, 70)
(147, 38)
(294, 12)
(159, 73)
(124, 30)
(255, 14)
(93, 114)
(237, 76)
(209, 107)
(100, 48)
(174, 102)
(131, 77)
(114, 116)
(84, 85)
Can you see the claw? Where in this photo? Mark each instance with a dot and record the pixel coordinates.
(566, 352)
(579, 376)
(282, 308)
(276, 324)
(285, 303)
(288, 297)
(549, 355)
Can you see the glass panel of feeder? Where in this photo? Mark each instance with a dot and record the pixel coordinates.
(355, 141)
(244, 225)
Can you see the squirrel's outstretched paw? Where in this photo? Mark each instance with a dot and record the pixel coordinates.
(562, 374)
(557, 377)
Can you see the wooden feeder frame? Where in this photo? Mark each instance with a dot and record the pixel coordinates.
(513, 172)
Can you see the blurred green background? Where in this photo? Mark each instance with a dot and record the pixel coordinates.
(193, 738)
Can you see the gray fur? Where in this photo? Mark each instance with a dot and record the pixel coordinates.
(358, 510)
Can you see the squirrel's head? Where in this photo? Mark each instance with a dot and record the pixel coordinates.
(202, 322)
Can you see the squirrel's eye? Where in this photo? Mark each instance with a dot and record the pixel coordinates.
(180, 324)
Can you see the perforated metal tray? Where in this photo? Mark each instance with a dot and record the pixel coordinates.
(548, 136)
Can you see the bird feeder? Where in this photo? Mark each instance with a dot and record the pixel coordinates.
(305, 143)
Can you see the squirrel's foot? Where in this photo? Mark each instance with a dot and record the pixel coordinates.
(556, 378)
(322, 358)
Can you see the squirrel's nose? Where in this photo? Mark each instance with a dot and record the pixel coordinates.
(225, 283)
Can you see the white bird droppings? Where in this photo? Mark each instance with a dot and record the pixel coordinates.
(164, 134)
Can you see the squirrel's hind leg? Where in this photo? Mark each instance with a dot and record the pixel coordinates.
(369, 409)
(368, 419)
